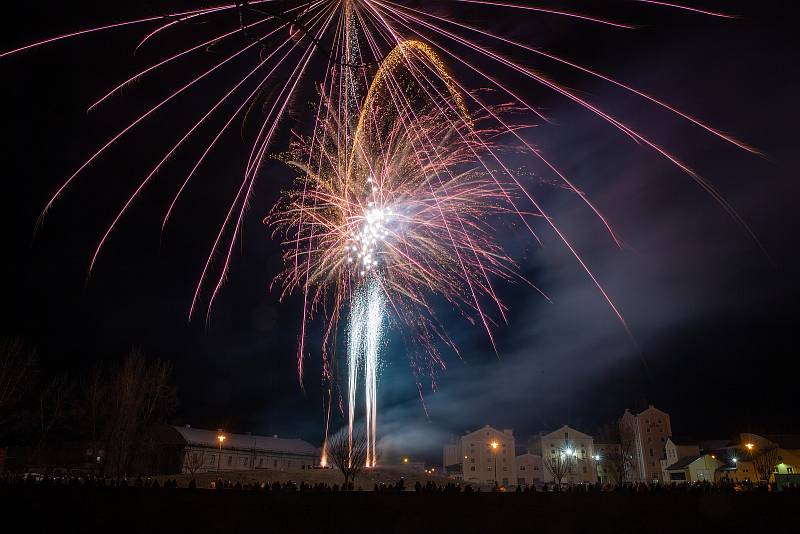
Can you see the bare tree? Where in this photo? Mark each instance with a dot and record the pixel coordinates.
(93, 409)
(139, 397)
(765, 462)
(193, 461)
(17, 365)
(619, 463)
(559, 463)
(349, 460)
(51, 408)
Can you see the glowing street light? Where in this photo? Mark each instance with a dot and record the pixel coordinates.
(494, 446)
(749, 446)
(405, 460)
(220, 438)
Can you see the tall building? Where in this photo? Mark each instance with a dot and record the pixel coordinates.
(485, 456)
(651, 428)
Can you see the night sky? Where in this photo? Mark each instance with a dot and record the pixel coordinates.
(714, 315)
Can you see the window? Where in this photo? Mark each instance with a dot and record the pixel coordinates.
(260, 462)
(566, 435)
(584, 468)
(522, 468)
(472, 468)
(790, 470)
(505, 468)
(275, 464)
(651, 452)
(230, 460)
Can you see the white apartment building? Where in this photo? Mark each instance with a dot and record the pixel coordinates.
(530, 470)
(566, 440)
(485, 456)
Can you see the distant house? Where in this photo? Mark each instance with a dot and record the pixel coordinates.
(676, 449)
(198, 450)
(694, 468)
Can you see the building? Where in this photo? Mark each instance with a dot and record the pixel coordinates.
(695, 468)
(530, 470)
(196, 451)
(570, 442)
(651, 428)
(606, 455)
(676, 449)
(786, 449)
(485, 456)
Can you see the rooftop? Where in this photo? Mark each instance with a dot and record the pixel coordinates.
(208, 438)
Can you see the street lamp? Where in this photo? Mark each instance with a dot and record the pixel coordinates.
(750, 447)
(494, 445)
(220, 438)
(596, 458)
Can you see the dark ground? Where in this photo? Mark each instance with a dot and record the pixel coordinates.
(37, 509)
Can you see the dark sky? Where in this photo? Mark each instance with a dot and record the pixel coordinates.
(714, 316)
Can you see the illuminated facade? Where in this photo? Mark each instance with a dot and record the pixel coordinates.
(485, 456)
(567, 440)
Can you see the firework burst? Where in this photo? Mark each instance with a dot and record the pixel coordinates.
(403, 173)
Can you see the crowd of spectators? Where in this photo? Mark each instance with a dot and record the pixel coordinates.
(429, 487)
